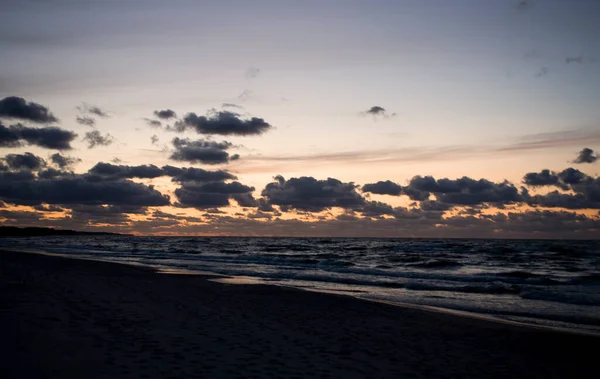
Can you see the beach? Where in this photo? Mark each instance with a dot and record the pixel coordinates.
(70, 318)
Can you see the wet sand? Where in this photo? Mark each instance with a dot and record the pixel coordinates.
(68, 318)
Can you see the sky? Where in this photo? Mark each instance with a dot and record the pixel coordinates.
(307, 118)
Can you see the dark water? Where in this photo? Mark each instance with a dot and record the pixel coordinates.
(541, 282)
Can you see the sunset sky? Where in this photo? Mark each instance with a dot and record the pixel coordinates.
(432, 118)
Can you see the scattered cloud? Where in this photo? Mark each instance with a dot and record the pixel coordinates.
(94, 138)
(47, 137)
(200, 151)
(165, 114)
(309, 194)
(84, 120)
(383, 188)
(153, 123)
(377, 112)
(231, 105)
(586, 156)
(18, 108)
(93, 110)
(209, 195)
(223, 123)
(154, 139)
(25, 161)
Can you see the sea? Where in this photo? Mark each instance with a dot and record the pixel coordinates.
(552, 283)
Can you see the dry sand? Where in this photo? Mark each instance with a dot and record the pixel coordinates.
(67, 318)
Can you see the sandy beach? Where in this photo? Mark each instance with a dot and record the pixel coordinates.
(67, 318)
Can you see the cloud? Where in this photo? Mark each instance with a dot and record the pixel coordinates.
(107, 171)
(376, 209)
(52, 173)
(309, 194)
(585, 192)
(200, 151)
(26, 161)
(192, 174)
(84, 120)
(154, 139)
(77, 189)
(153, 123)
(524, 5)
(19, 108)
(252, 73)
(586, 156)
(94, 138)
(578, 59)
(48, 137)
(383, 188)
(223, 123)
(93, 110)
(466, 191)
(543, 178)
(165, 114)
(231, 105)
(377, 111)
(209, 195)
(543, 71)
(245, 95)
(572, 176)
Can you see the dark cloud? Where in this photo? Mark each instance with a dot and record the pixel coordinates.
(465, 190)
(585, 192)
(209, 195)
(245, 200)
(192, 174)
(572, 176)
(377, 111)
(543, 178)
(557, 199)
(376, 209)
(200, 151)
(49, 137)
(93, 110)
(586, 156)
(52, 173)
(107, 171)
(77, 189)
(26, 161)
(383, 188)
(19, 108)
(94, 138)
(154, 139)
(223, 123)
(84, 120)
(153, 123)
(165, 114)
(309, 194)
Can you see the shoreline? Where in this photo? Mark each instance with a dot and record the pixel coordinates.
(116, 320)
(234, 280)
